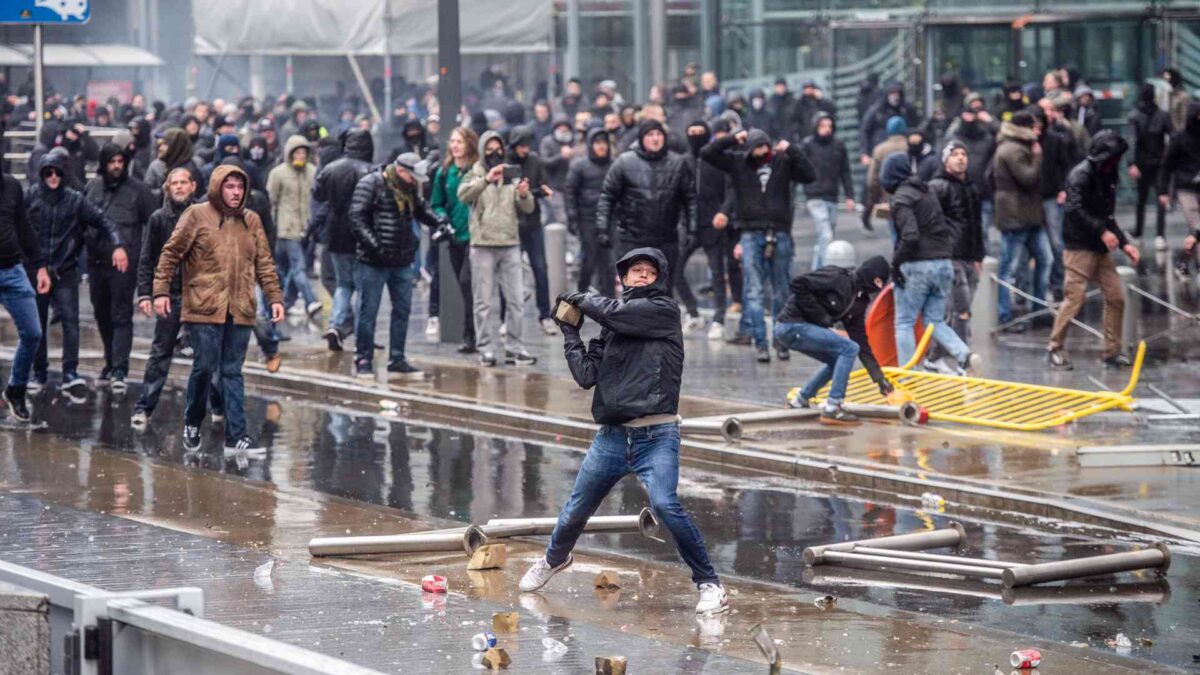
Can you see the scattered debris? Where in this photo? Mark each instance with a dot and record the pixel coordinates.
(388, 404)
(484, 641)
(488, 557)
(505, 622)
(933, 501)
(1121, 641)
(263, 571)
(608, 579)
(1025, 658)
(825, 602)
(433, 583)
(1145, 642)
(611, 665)
(553, 650)
(496, 659)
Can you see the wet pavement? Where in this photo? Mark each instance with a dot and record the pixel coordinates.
(330, 471)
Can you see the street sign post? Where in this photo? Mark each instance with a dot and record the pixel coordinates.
(38, 13)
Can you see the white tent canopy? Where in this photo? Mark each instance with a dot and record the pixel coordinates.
(337, 27)
(83, 56)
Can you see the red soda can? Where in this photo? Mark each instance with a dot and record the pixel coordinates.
(1025, 658)
(434, 584)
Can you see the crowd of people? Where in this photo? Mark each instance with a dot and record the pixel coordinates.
(692, 168)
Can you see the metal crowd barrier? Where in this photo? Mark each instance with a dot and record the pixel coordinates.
(95, 632)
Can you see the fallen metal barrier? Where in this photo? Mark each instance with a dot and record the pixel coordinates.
(731, 427)
(469, 538)
(905, 553)
(1138, 455)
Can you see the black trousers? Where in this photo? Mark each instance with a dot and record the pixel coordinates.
(595, 264)
(1147, 189)
(713, 245)
(158, 366)
(111, 292)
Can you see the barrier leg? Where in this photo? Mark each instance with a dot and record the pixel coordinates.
(555, 235)
(1131, 321)
(985, 307)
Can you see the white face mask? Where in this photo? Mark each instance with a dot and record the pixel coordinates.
(562, 136)
(256, 153)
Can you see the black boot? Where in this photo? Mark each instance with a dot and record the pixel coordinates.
(15, 396)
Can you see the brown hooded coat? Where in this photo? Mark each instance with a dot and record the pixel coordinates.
(224, 254)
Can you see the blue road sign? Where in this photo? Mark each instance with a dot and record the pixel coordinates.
(45, 11)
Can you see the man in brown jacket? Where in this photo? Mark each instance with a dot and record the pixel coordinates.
(1017, 167)
(224, 254)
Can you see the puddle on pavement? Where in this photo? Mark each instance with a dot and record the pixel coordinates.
(755, 528)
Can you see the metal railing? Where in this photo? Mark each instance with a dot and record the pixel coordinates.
(96, 632)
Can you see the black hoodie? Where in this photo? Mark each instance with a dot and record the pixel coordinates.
(533, 169)
(636, 364)
(17, 237)
(335, 184)
(713, 192)
(60, 218)
(830, 162)
(158, 230)
(125, 201)
(1150, 128)
(585, 179)
(1092, 196)
(760, 206)
(835, 294)
(1182, 165)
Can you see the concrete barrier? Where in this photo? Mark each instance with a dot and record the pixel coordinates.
(24, 631)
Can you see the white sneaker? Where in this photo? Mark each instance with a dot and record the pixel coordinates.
(973, 363)
(504, 330)
(541, 573)
(692, 324)
(713, 599)
(1160, 243)
(297, 309)
(314, 308)
(716, 331)
(433, 327)
(549, 327)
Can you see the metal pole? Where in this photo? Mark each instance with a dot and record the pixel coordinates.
(387, 61)
(39, 82)
(933, 557)
(876, 562)
(1157, 557)
(917, 541)
(985, 309)
(909, 413)
(289, 68)
(709, 56)
(644, 522)
(658, 40)
(452, 311)
(1131, 321)
(641, 84)
(571, 64)
(555, 235)
(419, 542)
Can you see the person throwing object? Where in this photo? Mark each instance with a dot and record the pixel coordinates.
(636, 365)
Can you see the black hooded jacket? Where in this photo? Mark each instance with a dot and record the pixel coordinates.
(645, 194)
(533, 169)
(125, 201)
(61, 217)
(18, 239)
(159, 229)
(830, 163)
(585, 181)
(1092, 196)
(873, 129)
(713, 192)
(759, 206)
(1149, 127)
(961, 209)
(636, 364)
(334, 185)
(1182, 165)
(922, 230)
(833, 294)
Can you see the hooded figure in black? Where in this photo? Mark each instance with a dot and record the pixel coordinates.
(635, 366)
(581, 194)
(1090, 233)
(818, 300)
(61, 216)
(714, 211)
(73, 138)
(127, 204)
(873, 129)
(1181, 170)
(521, 153)
(1150, 129)
(414, 140)
(334, 188)
(143, 150)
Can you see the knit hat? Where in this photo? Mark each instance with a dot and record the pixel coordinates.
(896, 126)
(951, 147)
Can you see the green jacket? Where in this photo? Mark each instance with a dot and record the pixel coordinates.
(445, 201)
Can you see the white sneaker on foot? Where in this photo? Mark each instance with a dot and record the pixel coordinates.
(973, 363)
(713, 599)
(692, 324)
(313, 308)
(433, 327)
(541, 573)
(1160, 243)
(716, 331)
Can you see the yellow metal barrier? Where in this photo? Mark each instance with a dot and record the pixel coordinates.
(990, 403)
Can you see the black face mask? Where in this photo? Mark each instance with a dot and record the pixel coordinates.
(697, 142)
(493, 159)
(915, 149)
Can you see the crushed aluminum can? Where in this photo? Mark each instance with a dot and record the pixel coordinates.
(483, 641)
(1025, 658)
(434, 584)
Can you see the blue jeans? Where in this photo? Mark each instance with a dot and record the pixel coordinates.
(836, 352)
(289, 254)
(927, 285)
(342, 318)
(220, 351)
(1037, 243)
(17, 296)
(758, 273)
(653, 454)
(371, 281)
(64, 295)
(1054, 228)
(824, 215)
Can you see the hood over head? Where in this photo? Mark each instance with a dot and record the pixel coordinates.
(562, 121)
(895, 170)
(1017, 132)
(697, 142)
(521, 134)
(644, 128)
(757, 137)
(311, 129)
(873, 268)
(179, 147)
(659, 287)
(359, 145)
(487, 136)
(107, 152)
(295, 142)
(1107, 149)
(591, 138)
(56, 160)
(824, 116)
(123, 139)
(414, 128)
(219, 176)
(224, 141)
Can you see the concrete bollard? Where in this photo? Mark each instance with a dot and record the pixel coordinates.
(1131, 321)
(555, 235)
(985, 307)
